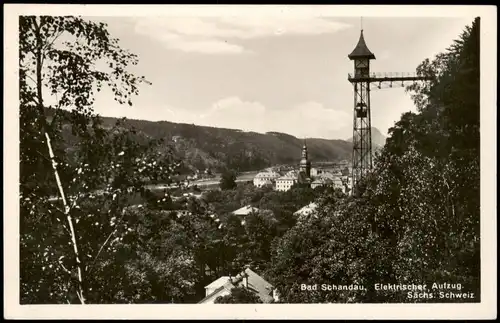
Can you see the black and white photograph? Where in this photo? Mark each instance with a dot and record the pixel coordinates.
(264, 156)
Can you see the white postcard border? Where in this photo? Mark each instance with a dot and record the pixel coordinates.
(485, 309)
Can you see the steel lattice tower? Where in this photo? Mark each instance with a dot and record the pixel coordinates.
(362, 79)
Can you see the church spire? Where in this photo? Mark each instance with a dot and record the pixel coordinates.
(305, 164)
(304, 149)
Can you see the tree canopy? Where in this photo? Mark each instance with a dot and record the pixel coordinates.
(228, 180)
(76, 176)
(417, 219)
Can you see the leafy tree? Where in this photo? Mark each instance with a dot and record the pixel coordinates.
(239, 295)
(285, 204)
(228, 180)
(315, 251)
(248, 240)
(261, 229)
(67, 241)
(153, 263)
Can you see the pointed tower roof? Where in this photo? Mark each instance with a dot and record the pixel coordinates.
(305, 157)
(361, 50)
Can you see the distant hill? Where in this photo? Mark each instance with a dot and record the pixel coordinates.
(378, 139)
(204, 147)
(217, 148)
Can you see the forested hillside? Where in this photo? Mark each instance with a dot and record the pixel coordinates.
(201, 147)
(210, 147)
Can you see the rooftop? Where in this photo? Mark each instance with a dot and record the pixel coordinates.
(247, 209)
(321, 180)
(307, 209)
(287, 178)
(361, 50)
(218, 282)
(255, 283)
(267, 174)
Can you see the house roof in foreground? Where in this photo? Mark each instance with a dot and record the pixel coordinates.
(247, 209)
(256, 284)
(307, 209)
(218, 282)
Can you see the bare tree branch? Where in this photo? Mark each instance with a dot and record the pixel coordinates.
(105, 242)
(49, 44)
(66, 270)
(29, 77)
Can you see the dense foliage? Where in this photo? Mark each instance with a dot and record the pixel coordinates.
(74, 201)
(227, 180)
(416, 220)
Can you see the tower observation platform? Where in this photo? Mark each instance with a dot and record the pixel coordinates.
(389, 77)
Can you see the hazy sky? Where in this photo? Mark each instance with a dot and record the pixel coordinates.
(270, 74)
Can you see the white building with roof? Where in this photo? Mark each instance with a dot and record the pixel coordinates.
(338, 183)
(331, 179)
(247, 279)
(216, 284)
(247, 209)
(284, 183)
(265, 178)
(318, 182)
(306, 210)
(317, 171)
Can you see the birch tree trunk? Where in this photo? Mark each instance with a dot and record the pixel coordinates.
(41, 108)
(67, 213)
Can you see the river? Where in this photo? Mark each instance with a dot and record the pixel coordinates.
(243, 177)
(209, 182)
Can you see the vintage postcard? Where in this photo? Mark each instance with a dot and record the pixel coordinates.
(332, 162)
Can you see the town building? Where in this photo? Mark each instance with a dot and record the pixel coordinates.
(316, 171)
(286, 182)
(247, 279)
(306, 211)
(310, 212)
(320, 181)
(302, 176)
(247, 209)
(305, 175)
(265, 178)
(338, 183)
(335, 180)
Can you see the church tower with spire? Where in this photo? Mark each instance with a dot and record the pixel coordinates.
(305, 163)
